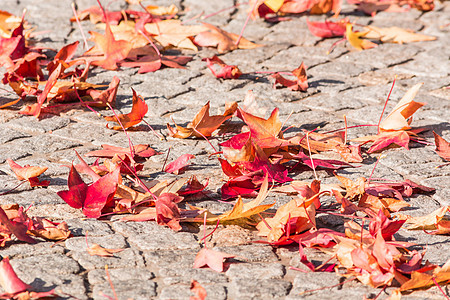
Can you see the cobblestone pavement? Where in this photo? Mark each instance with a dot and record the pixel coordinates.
(157, 262)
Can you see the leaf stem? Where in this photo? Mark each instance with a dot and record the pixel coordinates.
(245, 24)
(385, 103)
(86, 46)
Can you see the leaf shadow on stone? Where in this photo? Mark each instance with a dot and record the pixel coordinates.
(324, 82)
(40, 285)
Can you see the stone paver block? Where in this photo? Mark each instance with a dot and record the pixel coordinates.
(258, 289)
(121, 274)
(151, 236)
(215, 291)
(257, 271)
(110, 241)
(129, 258)
(81, 227)
(53, 263)
(250, 253)
(127, 289)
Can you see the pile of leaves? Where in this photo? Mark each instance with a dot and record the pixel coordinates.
(258, 161)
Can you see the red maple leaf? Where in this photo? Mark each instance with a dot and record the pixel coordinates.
(91, 198)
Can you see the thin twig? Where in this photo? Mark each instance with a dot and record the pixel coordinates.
(245, 24)
(86, 46)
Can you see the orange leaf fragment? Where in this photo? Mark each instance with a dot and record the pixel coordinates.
(98, 250)
(198, 290)
(28, 172)
(203, 124)
(138, 111)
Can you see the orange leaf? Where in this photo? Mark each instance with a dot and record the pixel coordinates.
(138, 111)
(28, 173)
(203, 123)
(224, 41)
(442, 147)
(107, 50)
(354, 38)
(98, 250)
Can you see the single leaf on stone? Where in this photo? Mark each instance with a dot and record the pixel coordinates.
(401, 115)
(354, 38)
(29, 173)
(442, 147)
(211, 258)
(224, 41)
(107, 51)
(91, 198)
(223, 71)
(176, 167)
(395, 35)
(9, 281)
(301, 84)
(96, 249)
(174, 33)
(203, 124)
(138, 111)
(328, 29)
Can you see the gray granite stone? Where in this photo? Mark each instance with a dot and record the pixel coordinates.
(215, 291)
(81, 227)
(126, 258)
(121, 274)
(151, 236)
(250, 253)
(110, 241)
(127, 289)
(257, 271)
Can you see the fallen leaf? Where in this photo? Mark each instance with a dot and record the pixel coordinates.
(354, 38)
(211, 258)
(154, 62)
(328, 28)
(203, 124)
(224, 71)
(29, 173)
(442, 147)
(167, 211)
(91, 198)
(50, 230)
(401, 115)
(10, 282)
(96, 249)
(224, 41)
(301, 84)
(139, 151)
(429, 221)
(107, 51)
(138, 111)
(395, 35)
(176, 167)
(198, 290)
(174, 33)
